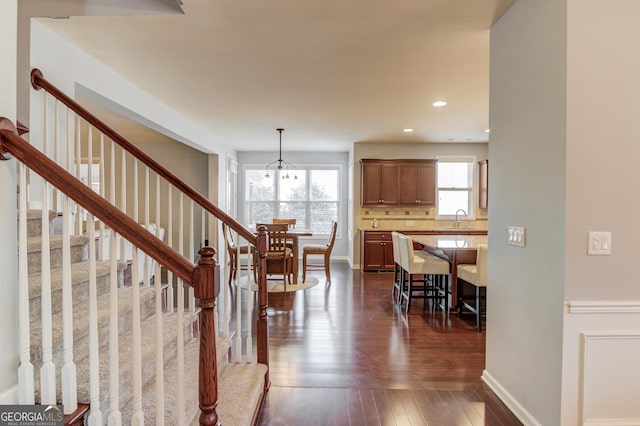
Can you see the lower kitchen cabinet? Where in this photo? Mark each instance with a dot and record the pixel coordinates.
(377, 251)
(377, 246)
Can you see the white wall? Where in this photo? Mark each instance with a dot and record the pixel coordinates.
(68, 67)
(527, 187)
(8, 219)
(563, 332)
(75, 72)
(601, 376)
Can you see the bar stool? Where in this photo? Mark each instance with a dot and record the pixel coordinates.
(474, 275)
(397, 268)
(435, 275)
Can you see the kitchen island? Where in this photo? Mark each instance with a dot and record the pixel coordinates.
(377, 248)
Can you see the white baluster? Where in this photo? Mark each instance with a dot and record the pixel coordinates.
(238, 350)
(226, 307)
(115, 417)
(79, 210)
(25, 370)
(95, 415)
(68, 372)
(203, 234)
(146, 259)
(180, 313)
(170, 293)
(248, 313)
(101, 237)
(56, 147)
(48, 369)
(159, 408)
(137, 417)
(123, 198)
(192, 298)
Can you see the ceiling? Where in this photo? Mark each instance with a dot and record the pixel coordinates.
(330, 73)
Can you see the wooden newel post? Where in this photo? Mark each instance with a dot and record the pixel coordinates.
(263, 303)
(206, 281)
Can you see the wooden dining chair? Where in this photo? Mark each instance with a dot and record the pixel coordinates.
(291, 223)
(324, 250)
(234, 251)
(279, 255)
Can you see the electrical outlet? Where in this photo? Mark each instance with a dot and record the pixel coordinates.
(517, 236)
(599, 243)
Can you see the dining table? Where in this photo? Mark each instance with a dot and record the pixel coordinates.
(294, 236)
(457, 249)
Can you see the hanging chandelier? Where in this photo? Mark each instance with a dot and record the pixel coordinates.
(280, 164)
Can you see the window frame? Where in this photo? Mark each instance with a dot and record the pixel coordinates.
(300, 169)
(472, 190)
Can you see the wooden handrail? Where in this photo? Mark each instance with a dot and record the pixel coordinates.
(39, 82)
(50, 171)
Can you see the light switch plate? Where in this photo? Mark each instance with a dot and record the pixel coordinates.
(599, 243)
(517, 236)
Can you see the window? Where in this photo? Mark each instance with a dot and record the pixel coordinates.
(455, 186)
(312, 199)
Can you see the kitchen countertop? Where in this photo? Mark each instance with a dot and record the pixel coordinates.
(422, 229)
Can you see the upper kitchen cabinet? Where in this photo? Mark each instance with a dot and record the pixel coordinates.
(483, 184)
(379, 183)
(398, 182)
(417, 183)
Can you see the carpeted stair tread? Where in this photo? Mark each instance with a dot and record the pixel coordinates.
(125, 359)
(34, 221)
(240, 390)
(125, 355)
(79, 251)
(171, 415)
(81, 321)
(79, 282)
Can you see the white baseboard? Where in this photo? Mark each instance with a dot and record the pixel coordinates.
(516, 408)
(9, 396)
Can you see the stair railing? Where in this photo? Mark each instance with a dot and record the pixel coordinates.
(192, 220)
(202, 280)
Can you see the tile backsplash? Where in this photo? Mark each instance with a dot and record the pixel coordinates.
(412, 218)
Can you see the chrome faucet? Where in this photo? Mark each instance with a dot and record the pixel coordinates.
(456, 222)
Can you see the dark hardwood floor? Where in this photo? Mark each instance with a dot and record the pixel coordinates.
(345, 354)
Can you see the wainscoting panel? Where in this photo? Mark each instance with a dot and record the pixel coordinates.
(610, 362)
(601, 363)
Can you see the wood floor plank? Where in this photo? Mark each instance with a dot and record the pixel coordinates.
(346, 354)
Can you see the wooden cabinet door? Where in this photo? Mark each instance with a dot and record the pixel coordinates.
(417, 183)
(388, 184)
(426, 190)
(379, 183)
(374, 255)
(371, 183)
(388, 255)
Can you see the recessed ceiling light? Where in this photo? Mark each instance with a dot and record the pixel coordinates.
(488, 130)
(439, 103)
(407, 130)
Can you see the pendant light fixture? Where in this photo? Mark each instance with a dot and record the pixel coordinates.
(281, 164)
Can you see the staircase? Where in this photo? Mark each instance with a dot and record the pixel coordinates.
(152, 366)
(240, 386)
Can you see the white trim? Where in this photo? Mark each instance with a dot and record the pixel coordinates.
(604, 307)
(587, 337)
(516, 408)
(9, 396)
